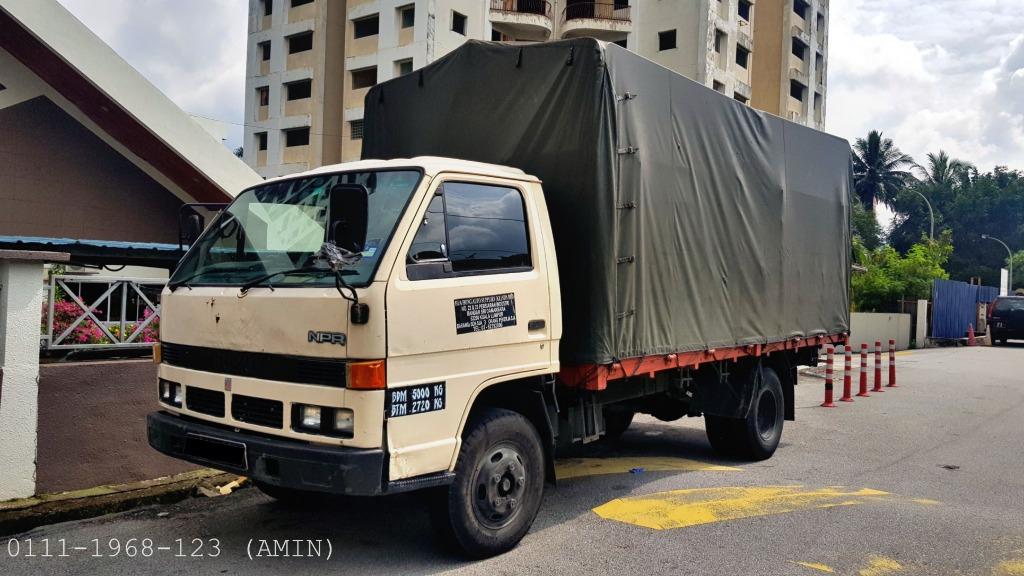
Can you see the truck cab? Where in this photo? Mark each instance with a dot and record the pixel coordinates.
(357, 369)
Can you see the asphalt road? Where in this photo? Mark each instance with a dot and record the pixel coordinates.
(925, 479)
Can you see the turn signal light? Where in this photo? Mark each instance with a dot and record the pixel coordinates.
(369, 375)
(156, 353)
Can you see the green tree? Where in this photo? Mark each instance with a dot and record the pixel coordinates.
(890, 277)
(880, 170)
(865, 225)
(945, 172)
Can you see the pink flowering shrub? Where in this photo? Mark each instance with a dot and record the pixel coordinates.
(87, 332)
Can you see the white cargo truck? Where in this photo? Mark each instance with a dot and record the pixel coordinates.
(425, 322)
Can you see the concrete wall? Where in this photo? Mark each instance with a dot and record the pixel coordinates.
(871, 327)
(92, 425)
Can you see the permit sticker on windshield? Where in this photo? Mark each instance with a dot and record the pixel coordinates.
(371, 248)
(485, 313)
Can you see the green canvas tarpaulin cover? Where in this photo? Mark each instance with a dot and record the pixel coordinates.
(683, 220)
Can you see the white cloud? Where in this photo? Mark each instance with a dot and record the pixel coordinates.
(943, 74)
(192, 50)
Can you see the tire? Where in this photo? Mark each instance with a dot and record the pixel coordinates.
(498, 486)
(616, 422)
(757, 436)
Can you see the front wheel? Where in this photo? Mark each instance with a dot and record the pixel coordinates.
(757, 436)
(498, 487)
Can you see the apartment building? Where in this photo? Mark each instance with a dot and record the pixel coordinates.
(293, 85)
(789, 77)
(311, 62)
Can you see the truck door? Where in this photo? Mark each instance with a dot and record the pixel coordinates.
(468, 307)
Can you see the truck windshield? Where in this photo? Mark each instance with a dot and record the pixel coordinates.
(280, 226)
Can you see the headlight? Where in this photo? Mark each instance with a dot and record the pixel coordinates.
(170, 392)
(344, 420)
(323, 420)
(310, 417)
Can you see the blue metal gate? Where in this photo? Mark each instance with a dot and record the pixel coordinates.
(955, 306)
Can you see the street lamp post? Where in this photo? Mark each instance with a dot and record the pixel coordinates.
(931, 213)
(1009, 285)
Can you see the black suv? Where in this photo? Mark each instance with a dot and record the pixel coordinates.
(1006, 319)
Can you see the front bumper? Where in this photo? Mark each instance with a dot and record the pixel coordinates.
(286, 463)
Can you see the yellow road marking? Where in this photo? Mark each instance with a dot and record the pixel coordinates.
(692, 507)
(880, 566)
(817, 566)
(1009, 568)
(927, 501)
(576, 467)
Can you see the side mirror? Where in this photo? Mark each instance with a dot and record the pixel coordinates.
(191, 223)
(191, 226)
(349, 213)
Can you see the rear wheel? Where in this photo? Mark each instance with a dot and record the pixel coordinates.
(757, 436)
(498, 487)
(616, 422)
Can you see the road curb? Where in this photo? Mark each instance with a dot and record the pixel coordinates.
(18, 516)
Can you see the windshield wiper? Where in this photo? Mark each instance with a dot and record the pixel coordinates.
(185, 281)
(304, 270)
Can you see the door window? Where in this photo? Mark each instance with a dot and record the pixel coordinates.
(471, 229)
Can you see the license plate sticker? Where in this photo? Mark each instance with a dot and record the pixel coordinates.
(419, 399)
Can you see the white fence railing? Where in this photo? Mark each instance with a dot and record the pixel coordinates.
(122, 314)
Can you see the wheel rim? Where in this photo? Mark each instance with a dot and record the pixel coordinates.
(498, 486)
(767, 414)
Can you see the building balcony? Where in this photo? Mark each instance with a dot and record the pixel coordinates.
(604, 21)
(522, 19)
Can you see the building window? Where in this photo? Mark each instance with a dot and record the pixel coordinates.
(364, 78)
(296, 137)
(800, 7)
(739, 98)
(820, 25)
(743, 9)
(403, 67)
(407, 16)
(355, 129)
(620, 42)
(666, 40)
(796, 90)
(458, 23)
(263, 95)
(268, 7)
(300, 42)
(264, 48)
(369, 26)
(819, 68)
(718, 86)
(299, 90)
(496, 36)
(742, 56)
(476, 227)
(261, 141)
(799, 49)
(720, 39)
(300, 2)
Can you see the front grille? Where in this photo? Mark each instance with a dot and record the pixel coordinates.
(205, 401)
(298, 369)
(258, 411)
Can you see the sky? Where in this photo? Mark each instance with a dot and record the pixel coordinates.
(940, 74)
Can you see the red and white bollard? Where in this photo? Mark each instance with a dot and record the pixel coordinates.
(828, 378)
(863, 371)
(847, 374)
(878, 367)
(892, 364)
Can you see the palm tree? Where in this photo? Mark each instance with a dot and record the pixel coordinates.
(880, 170)
(941, 171)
